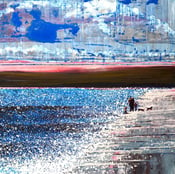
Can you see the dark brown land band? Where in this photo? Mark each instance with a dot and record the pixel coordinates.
(153, 76)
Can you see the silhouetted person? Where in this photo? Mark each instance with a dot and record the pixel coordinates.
(125, 110)
(131, 103)
(135, 106)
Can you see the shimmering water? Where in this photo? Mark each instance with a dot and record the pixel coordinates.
(45, 130)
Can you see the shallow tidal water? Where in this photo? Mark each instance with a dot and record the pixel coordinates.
(45, 130)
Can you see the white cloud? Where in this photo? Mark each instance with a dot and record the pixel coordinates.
(136, 11)
(98, 7)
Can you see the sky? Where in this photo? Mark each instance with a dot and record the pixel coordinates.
(58, 30)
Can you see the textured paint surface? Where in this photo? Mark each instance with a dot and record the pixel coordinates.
(82, 130)
(47, 130)
(89, 30)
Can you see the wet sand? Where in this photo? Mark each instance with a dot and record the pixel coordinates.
(141, 142)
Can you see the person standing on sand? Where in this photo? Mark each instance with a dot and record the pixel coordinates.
(125, 110)
(135, 106)
(131, 103)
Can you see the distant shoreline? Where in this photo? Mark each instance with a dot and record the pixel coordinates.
(103, 76)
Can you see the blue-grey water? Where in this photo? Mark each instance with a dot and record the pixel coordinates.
(48, 128)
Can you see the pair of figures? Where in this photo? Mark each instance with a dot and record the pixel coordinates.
(132, 105)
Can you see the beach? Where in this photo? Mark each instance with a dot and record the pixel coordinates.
(83, 131)
(140, 142)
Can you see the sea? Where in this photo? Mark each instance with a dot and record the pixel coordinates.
(46, 130)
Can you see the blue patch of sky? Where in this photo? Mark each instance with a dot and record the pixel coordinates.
(16, 20)
(43, 31)
(152, 1)
(125, 1)
(40, 30)
(130, 1)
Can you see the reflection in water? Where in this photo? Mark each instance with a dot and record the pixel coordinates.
(46, 130)
(42, 138)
